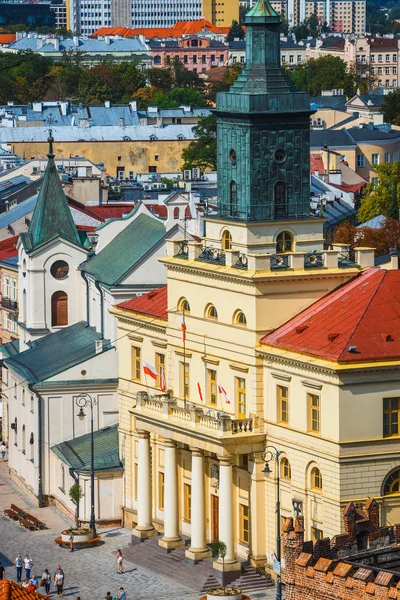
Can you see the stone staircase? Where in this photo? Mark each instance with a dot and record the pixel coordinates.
(200, 577)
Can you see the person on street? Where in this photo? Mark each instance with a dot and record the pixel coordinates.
(18, 563)
(119, 558)
(59, 581)
(71, 542)
(31, 586)
(121, 594)
(26, 583)
(2, 571)
(28, 564)
(46, 581)
(35, 581)
(3, 449)
(108, 596)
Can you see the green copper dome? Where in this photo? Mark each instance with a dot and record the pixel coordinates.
(262, 8)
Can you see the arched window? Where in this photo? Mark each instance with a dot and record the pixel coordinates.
(316, 479)
(284, 242)
(183, 305)
(286, 469)
(157, 60)
(280, 200)
(226, 241)
(211, 312)
(233, 199)
(239, 318)
(176, 212)
(392, 483)
(59, 309)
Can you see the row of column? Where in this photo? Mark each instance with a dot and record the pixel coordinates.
(171, 539)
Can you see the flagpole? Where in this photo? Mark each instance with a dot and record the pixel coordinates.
(184, 360)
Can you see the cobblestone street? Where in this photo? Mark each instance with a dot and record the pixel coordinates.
(89, 573)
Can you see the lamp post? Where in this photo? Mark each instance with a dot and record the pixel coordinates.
(271, 453)
(84, 400)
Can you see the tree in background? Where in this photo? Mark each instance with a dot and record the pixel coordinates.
(391, 107)
(381, 239)
(235, 31)
(324, 73)
(202, 152)
(383, 197)
(229, 77)
(311, 27)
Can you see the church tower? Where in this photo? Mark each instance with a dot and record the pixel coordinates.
(263, 138)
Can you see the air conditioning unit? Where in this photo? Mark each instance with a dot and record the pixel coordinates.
(34, 169)
(147, 187)
(196, 173)
(154, 186)
(187, 175)
(163, 186)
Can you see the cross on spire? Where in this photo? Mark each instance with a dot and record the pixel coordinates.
(50, 120)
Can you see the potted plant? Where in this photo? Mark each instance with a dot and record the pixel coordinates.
(81, 534)
(75, 494)
(219, 549)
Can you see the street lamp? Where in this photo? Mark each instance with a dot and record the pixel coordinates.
(84, 400)
(271, 453)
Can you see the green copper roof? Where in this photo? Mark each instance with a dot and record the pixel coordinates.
(262, 9)
(76, 453)
(10, 349)
(125, 251)
(56, 352)
(52, 216)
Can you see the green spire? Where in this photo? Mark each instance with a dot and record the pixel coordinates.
(52, 216)
(262, 9)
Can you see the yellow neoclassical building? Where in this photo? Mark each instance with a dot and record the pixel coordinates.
(261, 337)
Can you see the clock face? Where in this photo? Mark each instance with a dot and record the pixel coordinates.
(280, 155)
(59, 269)
(232, 156)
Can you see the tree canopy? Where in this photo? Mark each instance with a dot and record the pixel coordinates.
(324, 73)
(202, 152)
(391, 107)
(381, 239)
(382, 198)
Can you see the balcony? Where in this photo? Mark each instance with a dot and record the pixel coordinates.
(169, 412)
(8, 304)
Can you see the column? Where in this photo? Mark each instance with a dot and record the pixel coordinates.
(144, 527)
(225, 521)
(198, 549)
(171, 538)
(257, 506)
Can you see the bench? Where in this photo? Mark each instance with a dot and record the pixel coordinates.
(34, 520)
(11, 514)
(27, 524)
(94, 541)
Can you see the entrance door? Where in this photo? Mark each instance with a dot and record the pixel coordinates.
(215, 512)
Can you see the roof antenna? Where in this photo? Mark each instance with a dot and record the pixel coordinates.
(50, 121)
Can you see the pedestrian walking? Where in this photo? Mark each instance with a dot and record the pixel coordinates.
(119, 558)
(59, 581)
(46, 581)
(121, 594)
(2, 571)
(28, 564)
(108, 596)
(71, 542)
(18, 563)
(3, 449)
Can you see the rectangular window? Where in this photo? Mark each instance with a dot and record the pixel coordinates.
(372, 58)
(387, 70)
(360, 161)
(387, 58)
(316, 534)
(394, 57)
(387, 157)
(283, 403)
(185, 379)
(240, 386)
(379, 57)
(291, 58)
(391, 407)
(314, 413)
(375, 159)
(136, 363)
(161, 490)
(160, 368)
(187, 501)
(394, 70)
(212, 386)
(152, 169)
(244, 524)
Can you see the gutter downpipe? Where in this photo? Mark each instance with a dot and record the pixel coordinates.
(39, 441)
(97, 284)
(85, 279)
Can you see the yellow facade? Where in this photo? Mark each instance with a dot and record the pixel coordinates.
(164, 156)
(221, 12)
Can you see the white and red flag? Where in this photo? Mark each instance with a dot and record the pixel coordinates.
(163, 383)
(183, 328)
(224, 394)
(199, 389)
(149, 370)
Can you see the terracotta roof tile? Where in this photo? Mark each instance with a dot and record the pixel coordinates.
(310, 572)
(349, 583)
(329, 578)
(363, 312)
(316, 164)
(323, 564)
(383, 578)
(362, 574)
(370, 589)
(154, 304)
(342, 570)
(12, 591)
(178, 30)
(392, 593)
(303, 559)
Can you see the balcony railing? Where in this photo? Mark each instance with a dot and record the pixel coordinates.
(212, 421)
(212, 255)
(8, 304)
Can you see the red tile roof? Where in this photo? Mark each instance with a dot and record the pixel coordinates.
(111, 211)
(7, 38)
(8, 248)
(12, 591)
(154, 304)
(363, 315)
(317, 164)
(178, 30)
(346, 187)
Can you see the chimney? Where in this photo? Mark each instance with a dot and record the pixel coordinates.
(133, 105)
(107, 40)
(99, 346)
(75, 39)
(107, 103)
(394, 259)
(122, 122)
(56, 43)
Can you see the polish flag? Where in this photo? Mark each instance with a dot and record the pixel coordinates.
(183, 328)
(149, 370)
(223, 393)
(199, 389)
(163, 382)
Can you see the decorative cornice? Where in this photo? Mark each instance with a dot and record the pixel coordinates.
(159, 343)
(135, 338)
(240, 368)
(281, 377)
(181, 353)
(210, 361)
(312, 384)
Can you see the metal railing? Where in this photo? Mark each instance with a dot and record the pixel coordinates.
(241, 262)
(212, 255)
(279, 261)
(314, 260)
(9, 304)
(260, 568)
(183, 250)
